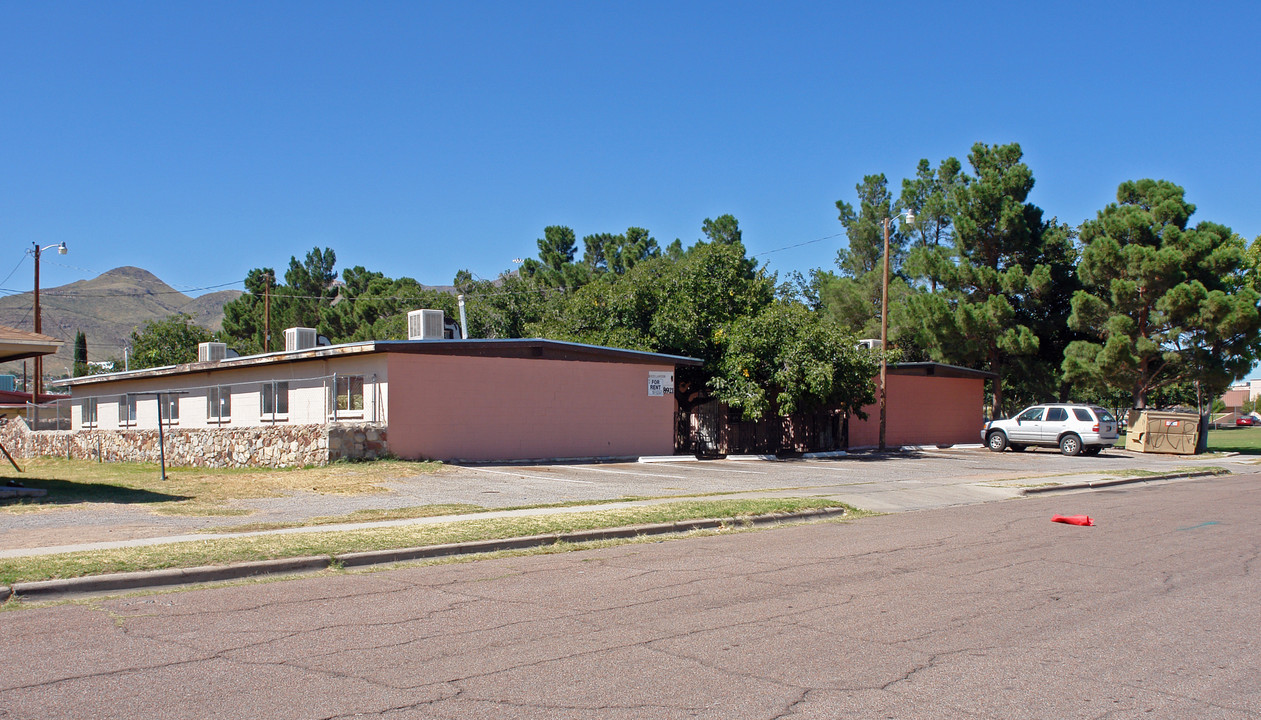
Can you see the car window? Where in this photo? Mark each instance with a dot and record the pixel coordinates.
(1104, 415)
(1082, 414)
(1056, 415)
(1034, 413)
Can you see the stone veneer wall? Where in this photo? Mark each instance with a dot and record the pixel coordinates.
(265, 446)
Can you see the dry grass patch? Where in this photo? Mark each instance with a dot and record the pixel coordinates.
(195, 491)
(233, 550)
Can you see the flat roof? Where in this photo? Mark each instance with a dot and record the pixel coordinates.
(939, 370)
(531, 349)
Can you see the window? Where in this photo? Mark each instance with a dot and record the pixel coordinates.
(274, 401)
(126, 410)
(88, 408)
(1031, 414)
(1082, 414)
(219, 404)
(348, 395)
(169, 407)
(1056, 415)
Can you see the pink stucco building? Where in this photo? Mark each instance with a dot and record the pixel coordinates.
(927, 404)
(430, 399)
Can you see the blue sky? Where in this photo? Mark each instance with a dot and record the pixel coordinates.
(199, 140)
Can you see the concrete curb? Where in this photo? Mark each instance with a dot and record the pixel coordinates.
(150, 579)
(1119, 481)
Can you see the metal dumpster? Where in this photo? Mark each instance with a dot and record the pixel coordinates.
(1155, 431)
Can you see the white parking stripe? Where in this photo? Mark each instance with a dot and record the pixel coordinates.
(725, 469)
(620, 472)
(531, 477)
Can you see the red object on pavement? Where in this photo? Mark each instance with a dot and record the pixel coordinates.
(1073, 519)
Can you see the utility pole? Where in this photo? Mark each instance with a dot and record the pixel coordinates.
(39, 326)
(39, 360)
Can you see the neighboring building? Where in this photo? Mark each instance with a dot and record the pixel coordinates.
(927, 404)
(20, 345)
(1235, 397)
(467, 400)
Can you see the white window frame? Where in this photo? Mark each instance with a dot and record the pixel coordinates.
(348, 382)
(88, 418)
(126, 410)
(169, 409)
(277, 392)
(218, 404)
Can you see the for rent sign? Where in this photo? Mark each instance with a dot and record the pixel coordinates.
(660, 383)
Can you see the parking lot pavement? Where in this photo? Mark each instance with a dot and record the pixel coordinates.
(882, 482)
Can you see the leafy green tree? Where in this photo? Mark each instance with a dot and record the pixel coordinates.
(243, 318)
(1163, 303)
(931, 196)
(999, 272)
(681, 306)
(787, 359)
(723, 230)
(854, 297)
(865, 230)
(504, 307)
(556, 267)
(371, 306)
(172, 340)
(606, 252)
(301, 301)
(80, 354)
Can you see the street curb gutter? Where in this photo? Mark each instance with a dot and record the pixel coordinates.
(149, 579)
(1119, 481)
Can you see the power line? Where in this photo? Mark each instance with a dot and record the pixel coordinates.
(808, 242)
(54, 293)
(15, 268)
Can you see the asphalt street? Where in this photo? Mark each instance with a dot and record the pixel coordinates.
(979, 611)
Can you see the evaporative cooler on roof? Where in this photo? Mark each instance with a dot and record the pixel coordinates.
(425, 325)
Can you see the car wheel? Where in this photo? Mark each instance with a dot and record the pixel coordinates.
(996, 441)
(1018, 448)
(1070, 445)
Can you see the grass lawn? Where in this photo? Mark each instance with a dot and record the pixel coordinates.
(1246, 440)
(189, 490)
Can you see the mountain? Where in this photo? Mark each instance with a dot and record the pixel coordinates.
(107, 309)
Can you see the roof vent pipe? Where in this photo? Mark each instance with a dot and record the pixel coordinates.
(463, 320)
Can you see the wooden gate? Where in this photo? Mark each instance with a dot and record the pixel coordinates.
(712, 428)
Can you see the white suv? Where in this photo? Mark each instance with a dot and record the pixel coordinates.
(1073, 428)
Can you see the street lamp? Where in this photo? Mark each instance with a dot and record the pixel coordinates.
(39, 326)
(884, 326)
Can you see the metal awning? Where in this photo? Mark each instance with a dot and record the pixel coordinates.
(19, 344)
